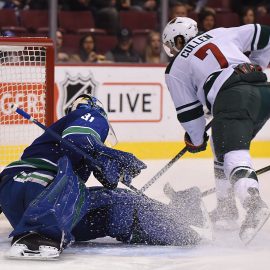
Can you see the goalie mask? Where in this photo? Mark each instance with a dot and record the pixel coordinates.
(183, 27)
(85, 101)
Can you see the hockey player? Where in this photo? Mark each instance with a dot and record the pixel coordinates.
(22, 181)
(44, 196)
(213, 70)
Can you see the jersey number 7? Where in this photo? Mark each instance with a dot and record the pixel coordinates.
(202, 53)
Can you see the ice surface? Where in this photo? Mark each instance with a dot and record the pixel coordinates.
(225, 252)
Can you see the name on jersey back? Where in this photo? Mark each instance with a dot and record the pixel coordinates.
(193, 44)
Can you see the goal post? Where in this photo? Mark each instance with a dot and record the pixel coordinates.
(26, 79)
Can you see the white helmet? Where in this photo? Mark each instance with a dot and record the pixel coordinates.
(179, 26)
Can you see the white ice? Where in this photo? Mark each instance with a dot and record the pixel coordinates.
(225, 252)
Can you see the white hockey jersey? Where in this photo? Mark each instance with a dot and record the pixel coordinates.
(220, 49)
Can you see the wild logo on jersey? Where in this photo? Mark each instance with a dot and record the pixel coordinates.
(72, 87)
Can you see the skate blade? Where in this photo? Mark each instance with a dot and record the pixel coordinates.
(21, 252)
(248, 235)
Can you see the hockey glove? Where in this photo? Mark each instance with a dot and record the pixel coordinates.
(195, 148)
(130, 164)
(110, 172)
(123, 167)
(247, 68)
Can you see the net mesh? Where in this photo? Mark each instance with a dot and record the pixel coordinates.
(22, 82)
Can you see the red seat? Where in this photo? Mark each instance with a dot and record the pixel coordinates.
(140, 40)
(8, 18)
(219, 5)
(138, 20)
(93, 31)
(9, 21)
(35, 20)
(264, 19)
(105, 43)
(227, 19)
(71, 43)
(193, 15)
(74, 21)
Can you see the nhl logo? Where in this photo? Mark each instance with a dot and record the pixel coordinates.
(72, 87)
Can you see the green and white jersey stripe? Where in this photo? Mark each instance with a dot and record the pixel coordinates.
(261, 37)
(80, 130)
(35, 177)
(37, 163)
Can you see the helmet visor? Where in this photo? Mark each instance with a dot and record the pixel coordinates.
(111, 139)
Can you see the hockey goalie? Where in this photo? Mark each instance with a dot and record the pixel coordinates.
(45, 199)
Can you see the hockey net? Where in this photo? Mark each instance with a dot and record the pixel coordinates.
(27, 80)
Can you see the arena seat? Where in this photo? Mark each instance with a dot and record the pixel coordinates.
(219, 5)
(35, 20)
(104, 43)
(93, 31)
(75, 21)
(138, 20)
(9, 21)
(263, 19)
(227, 19)
(71, 43)
(140, 40)
(193, 15)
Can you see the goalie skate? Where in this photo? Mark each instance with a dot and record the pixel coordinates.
(191, 199)
(33, 246)
(257, 214)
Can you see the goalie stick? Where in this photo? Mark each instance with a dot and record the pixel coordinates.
(66, 142)
(55, 135)
(258, 172)
(168, 165)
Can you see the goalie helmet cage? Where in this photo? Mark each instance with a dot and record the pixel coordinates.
(26, 79)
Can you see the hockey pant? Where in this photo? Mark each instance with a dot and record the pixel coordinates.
(56, 209)
(240, 110)
(133, 218)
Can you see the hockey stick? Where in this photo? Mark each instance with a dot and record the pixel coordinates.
(168, 165)
(65, 142)
(258, 172)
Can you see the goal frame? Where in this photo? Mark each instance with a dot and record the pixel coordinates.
(49, 66)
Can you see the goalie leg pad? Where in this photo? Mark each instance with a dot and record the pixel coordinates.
(160, 224)
(18, 191)
(58, 208)
(136, 219)
(184, 221)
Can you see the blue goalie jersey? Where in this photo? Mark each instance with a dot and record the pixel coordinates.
(77, 127)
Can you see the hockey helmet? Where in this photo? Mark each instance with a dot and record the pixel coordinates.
(86, 101)
(178, 27)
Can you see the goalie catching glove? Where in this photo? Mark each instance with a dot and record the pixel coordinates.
(115, 165)
(121, 166)
(195, 148)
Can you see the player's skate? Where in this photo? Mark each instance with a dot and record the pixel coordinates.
(256, 216)
(225, 215)
(34, 246)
